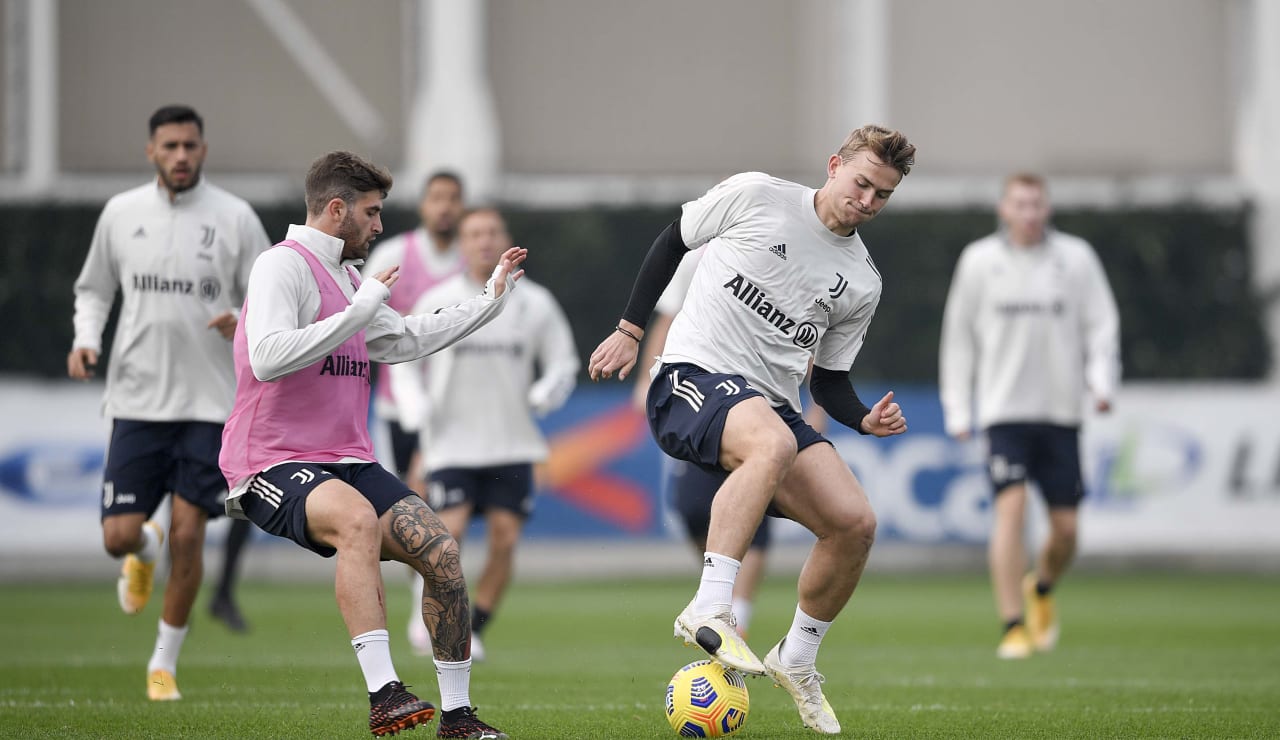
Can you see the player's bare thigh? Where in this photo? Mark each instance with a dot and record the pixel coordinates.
(822, 493)
(338, 514)
(753, 429)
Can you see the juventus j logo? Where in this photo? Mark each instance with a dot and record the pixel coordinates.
(837, 290)
(303, 476)
(206, 237)
(729, 387)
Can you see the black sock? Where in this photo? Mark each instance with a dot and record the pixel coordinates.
(1043, 588)
(237, 536)
(478, 619)
(1012, 623)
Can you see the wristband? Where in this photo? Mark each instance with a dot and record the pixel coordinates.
(627, 332)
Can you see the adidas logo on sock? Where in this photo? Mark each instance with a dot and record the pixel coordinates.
(811, 630)
(708, 563)
(780, 250)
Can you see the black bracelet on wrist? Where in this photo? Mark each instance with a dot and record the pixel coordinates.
(627, 332)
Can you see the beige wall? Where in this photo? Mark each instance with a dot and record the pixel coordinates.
(123, 59)
(670, 87)
(1114, 87)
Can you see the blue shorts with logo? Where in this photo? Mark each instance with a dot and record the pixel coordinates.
(276, 499)
(148, 460)
(507, 487)
(687, 407)
(1048, 454)
(692, 490)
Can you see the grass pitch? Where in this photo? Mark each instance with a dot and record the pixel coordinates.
(1142, 655)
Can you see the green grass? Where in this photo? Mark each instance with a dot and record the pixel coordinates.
(1141, 656)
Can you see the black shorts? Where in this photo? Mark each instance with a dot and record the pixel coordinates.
(403, 444)
(507, 487)
(1048, 454)
(687, 407)
(147, 460)
(276, 499)
(692, 489)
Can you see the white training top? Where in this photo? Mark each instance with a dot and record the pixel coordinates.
(178, 265)
(672, 299)
(775, 286)
(481, 395)
(1034, 327)
(438, 264)
(284, 337)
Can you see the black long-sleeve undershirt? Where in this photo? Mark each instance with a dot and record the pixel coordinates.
(655, 273)
(833, 391)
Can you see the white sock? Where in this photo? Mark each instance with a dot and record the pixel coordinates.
(150, 549)
(415, 596)
(800, 647)
(742, 612)
(715, 590)
(455, 684)
(168, 645)
(373, 650)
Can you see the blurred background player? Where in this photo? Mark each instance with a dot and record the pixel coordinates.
(1030, 327)
(179, 251)
(480, 437)
(786, 281)
(224, 606)
(296, 450)
(427, 256)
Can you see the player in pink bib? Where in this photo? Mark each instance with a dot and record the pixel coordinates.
(296, 451)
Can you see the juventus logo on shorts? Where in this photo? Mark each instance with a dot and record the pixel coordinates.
(729, 387)
(303, 476)
(687, 390)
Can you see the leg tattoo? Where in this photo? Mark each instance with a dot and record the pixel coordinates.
(434, 554)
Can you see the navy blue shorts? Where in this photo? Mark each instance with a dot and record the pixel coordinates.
(1048, 454)
(507, 487)
(148, 460)
(692, 489)
(403, 444)
(687, 407)
(276, 500)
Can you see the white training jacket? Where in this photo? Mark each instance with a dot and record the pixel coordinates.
(1028, 330)
(177, 265)
(284, 337)
(480, 396)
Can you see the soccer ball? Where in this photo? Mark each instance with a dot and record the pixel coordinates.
(707, 699)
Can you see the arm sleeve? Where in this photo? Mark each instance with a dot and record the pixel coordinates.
(957, 356)
(395, 338)
(1101, 332)
(96, 288)
(558, 357)
(655, 273)
(278, 343)
(833, 391)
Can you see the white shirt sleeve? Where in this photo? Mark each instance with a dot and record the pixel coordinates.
(1101, 327)
(958, 354)
(672, 299)
(96, 287)
(280, 341)
(557, 356)
(395, 338)
(841, 343)
(253, 242)
(721, 207)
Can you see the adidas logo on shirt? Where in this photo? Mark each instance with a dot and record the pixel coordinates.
(780, 250)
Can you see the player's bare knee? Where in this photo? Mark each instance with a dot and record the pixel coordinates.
(857, 528)
(186, 541)
(359, 529)
(118, 544)
(775, 450)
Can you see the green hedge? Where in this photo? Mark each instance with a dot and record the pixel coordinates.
(1181, 276)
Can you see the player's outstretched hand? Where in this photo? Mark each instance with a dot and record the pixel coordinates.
(80, 363)
(617, 353)
(511, 259)
(389, 276)
(225, 323)
(885, 419)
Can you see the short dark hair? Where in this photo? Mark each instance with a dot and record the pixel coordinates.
(175, 114)
(443, 175)
(343, 175)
